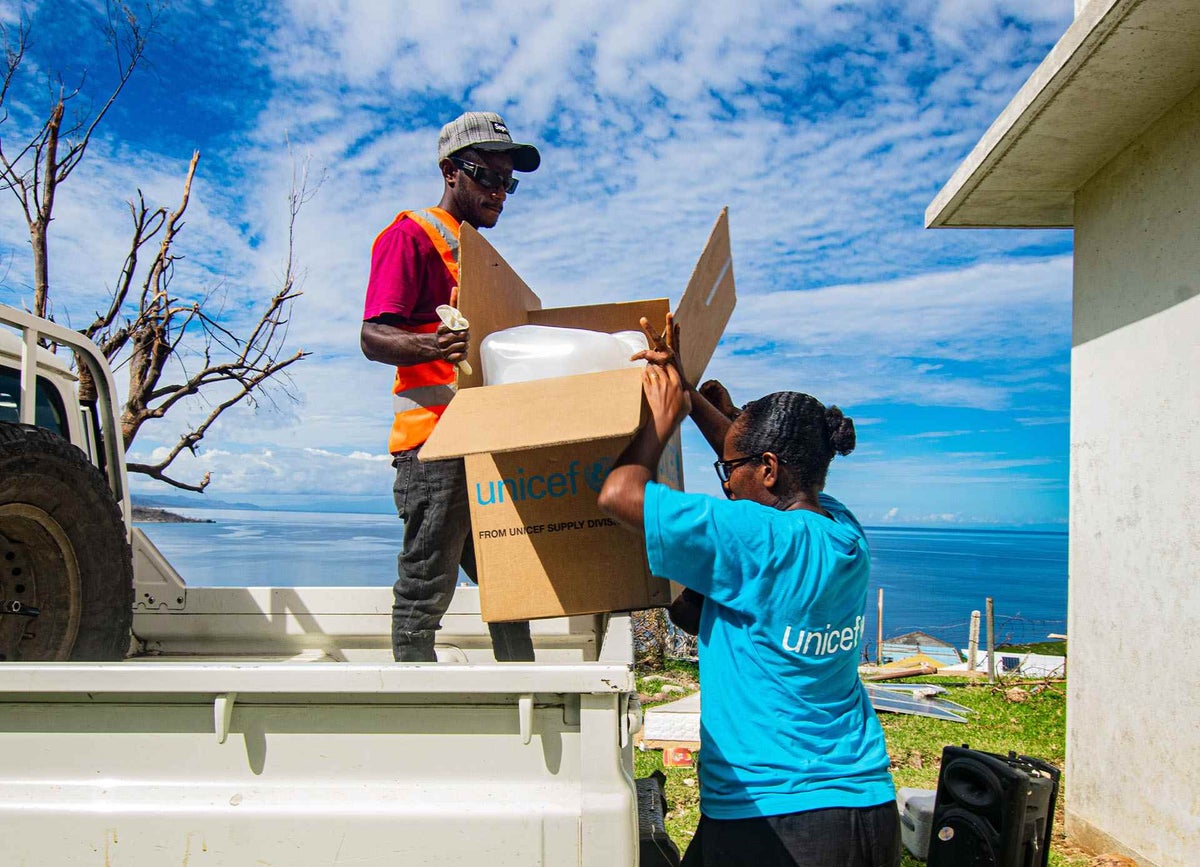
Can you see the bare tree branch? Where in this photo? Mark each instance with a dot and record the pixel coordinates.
(146, 225)
(158, 336)
(146, 326)
(14, 54)
(157, 472)
(128, 36)
(247, 384)
(52, 152)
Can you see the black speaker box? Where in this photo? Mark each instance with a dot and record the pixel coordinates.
(655, 847)
(992, 810)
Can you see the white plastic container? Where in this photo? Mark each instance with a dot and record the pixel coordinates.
(529, 352)
(916, 819)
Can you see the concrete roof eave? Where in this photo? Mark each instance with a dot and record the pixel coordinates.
(1119, 67)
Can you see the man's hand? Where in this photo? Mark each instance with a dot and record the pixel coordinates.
(453, 345)
(389, 344)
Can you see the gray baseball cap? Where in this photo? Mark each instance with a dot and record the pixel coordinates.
(486, 131)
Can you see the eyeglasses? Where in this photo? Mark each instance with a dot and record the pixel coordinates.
(725, 468)
(485, 177)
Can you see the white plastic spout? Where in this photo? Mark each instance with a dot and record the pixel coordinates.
(453, 319)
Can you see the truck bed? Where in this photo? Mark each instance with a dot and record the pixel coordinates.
(269, 727)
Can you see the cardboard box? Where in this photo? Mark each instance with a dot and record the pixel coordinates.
(536, 453)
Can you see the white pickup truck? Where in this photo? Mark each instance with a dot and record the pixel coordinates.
(144, 722)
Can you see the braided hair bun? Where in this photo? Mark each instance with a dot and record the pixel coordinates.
(841, 430)
(799, 429)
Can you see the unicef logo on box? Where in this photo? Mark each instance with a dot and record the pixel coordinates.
(597, 473)
(539, 486)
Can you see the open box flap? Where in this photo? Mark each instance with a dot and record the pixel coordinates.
(611, 318)
(525, 415)
(707, 302)
(490, 295)
(545, 412)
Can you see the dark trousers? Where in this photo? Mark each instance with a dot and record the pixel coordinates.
(431, 499)
(835, 837)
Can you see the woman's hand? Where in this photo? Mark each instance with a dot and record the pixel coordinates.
(664, 348)
(623, 494)
(668, 399)
(714, 392)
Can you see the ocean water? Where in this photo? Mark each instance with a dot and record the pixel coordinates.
(249, 548)
(932, 579)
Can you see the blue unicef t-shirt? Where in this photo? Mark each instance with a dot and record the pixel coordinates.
(785, 722)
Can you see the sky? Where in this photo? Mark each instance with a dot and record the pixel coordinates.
(825, 127)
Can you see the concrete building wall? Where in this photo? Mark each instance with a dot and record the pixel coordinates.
(1133, 742)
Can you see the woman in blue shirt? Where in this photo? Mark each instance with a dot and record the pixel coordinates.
(793, 770)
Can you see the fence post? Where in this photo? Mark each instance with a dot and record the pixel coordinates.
(879, 632)
(991, 640)
(973, 642)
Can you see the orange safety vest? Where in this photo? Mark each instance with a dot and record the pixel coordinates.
(421, 392)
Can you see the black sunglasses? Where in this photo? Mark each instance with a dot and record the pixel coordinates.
(485, 177)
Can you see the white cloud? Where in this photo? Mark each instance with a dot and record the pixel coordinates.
(1040, 422)
(991, 311)
(10, 12)
(939, 434)
(287, 470)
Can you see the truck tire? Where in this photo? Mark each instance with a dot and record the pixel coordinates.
(63, 551)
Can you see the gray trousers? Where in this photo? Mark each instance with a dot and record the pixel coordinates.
(431, 499)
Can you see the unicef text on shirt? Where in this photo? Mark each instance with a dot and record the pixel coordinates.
(538, 486)
(822, 642)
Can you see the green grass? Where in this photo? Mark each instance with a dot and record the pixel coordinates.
(1035, 726)
(682, 786)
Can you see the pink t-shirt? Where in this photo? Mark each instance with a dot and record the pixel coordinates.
(408, 278)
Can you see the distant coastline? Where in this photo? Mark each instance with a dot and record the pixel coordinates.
(148, 515)
(185, 502)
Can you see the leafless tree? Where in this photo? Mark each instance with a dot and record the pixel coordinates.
(33, 172)
(162, 328)
(175, 348)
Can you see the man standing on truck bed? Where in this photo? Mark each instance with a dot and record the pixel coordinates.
(414, 268)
